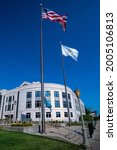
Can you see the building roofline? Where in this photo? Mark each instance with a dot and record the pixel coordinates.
(26, 84)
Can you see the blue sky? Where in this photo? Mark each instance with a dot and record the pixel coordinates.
(20, 45)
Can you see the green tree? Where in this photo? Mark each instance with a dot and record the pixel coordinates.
(88, 116)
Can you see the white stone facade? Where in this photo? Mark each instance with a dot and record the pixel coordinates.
(23, 103)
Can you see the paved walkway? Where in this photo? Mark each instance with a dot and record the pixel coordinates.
(95, 140)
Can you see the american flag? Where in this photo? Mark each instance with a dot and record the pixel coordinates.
(54, 17)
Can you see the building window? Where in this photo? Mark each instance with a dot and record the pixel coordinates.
(70, 106)
(63, 95)
(28, 100)
(64, 104)
(71, 114)
(28, 104)
(9, 107)
(64, 100)
(10, 98)
(57, 103)
(58, 114)
(37, 104)
(56, 94)
(48, 114)
(47, 93)
(65, 114)
(6, 99)
(56, 97)
(69, 96)
(29, 95)
(13, 97)
(28, 115)
(5, 107)
(37, 99)
(38, 95)
(37, 115)
(12, 106)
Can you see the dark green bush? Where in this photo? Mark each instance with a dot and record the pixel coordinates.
(75, 123)
(24, 124)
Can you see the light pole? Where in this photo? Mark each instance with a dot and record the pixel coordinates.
(85, 142)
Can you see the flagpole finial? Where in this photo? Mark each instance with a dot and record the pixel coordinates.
(41, 4)
(60, 42)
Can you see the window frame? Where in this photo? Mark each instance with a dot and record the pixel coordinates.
(29, 95)
(56, 102)
(28, 103)
(48, 114)
(38, 115)
(66, 114)
(58, 114)
(37, 104)
(28, 114)
(56, 94)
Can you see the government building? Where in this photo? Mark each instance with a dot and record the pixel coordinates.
(24, 103)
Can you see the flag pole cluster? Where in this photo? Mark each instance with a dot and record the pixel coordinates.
(66, 51)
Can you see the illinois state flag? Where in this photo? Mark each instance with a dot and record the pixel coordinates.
(67, 51)
(48, 103)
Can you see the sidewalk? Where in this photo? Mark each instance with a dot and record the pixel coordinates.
(95, 140)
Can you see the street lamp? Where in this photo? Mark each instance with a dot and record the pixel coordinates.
(85, 142)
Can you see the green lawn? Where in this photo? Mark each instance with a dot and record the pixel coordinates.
(20, 141)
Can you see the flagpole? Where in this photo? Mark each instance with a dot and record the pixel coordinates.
(42, 76)
(64, 78)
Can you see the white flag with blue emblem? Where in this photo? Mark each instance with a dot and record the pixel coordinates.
(67, 51)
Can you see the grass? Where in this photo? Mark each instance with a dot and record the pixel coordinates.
(20, 141)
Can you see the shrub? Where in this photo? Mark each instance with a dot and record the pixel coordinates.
(24, 124)
(57, 121)
(75, 123)
(53, 121)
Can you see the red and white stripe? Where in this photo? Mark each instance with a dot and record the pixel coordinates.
(54, 17)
